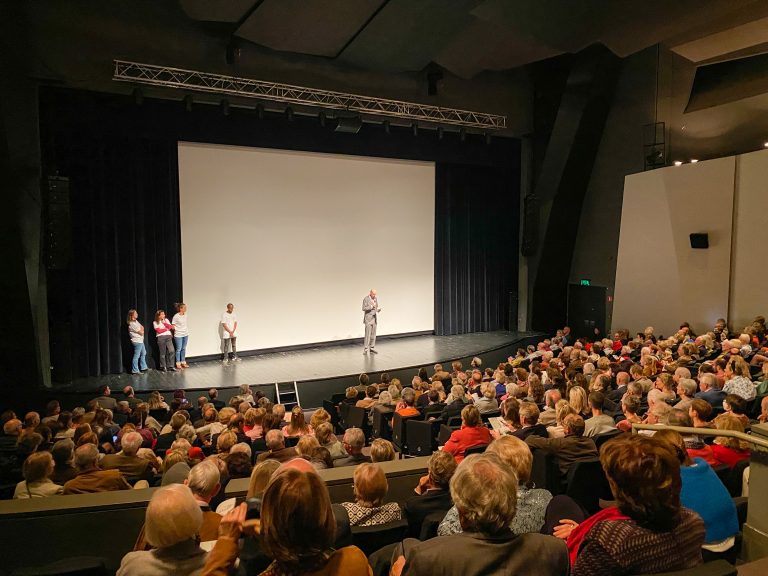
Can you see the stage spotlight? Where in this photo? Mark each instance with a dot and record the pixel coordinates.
(440, 132)
(678, 163)
(260, 111)
(224, 106)
(321, 118)
(415, 128)
(349, 124)
(188, 102)
(765, 144)
(386, 126)
(694, 160)
(289, 113)
(463, 134)
(138, 96)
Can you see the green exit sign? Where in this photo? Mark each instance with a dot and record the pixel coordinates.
(585, 282)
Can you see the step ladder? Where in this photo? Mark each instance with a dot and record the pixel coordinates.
(287, 394)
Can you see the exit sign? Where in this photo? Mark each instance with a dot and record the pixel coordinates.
(585, 282)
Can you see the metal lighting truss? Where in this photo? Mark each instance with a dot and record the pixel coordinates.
(249, 88)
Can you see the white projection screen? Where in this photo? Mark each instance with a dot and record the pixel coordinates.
(296, 239)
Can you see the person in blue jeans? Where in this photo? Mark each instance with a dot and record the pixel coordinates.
(136, 332)
(180, 335)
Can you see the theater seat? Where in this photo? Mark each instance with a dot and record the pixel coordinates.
(371, 538)
(586, 484)
(479, 449)
(716, 568)
(430, 524)
(422, 436)
(77, 566)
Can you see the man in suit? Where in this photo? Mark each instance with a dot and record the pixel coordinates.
(529, 422)
(573, 447)
(622, 380)
(127, 462)
(354, 441)
(276, 448)
(213, 395)
(370, 319)
(710, 390)
(105, 400)
(485, 492)
(89, 478)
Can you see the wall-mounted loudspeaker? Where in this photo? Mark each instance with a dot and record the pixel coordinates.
(699, 241)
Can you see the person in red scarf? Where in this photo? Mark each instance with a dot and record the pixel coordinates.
(648, 531)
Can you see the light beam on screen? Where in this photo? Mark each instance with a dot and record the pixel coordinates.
(296, 239)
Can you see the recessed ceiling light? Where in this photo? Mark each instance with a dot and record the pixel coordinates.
(693, 160)
(765, 144)
(678, 162)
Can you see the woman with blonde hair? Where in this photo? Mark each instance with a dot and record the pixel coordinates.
(318, 417)
(562, 409)
(136, 335)
(737, 379)
(370, 488)
(728, 450)
(37, 470)
(180, 334)
(577, 398)
(382, 451)
(297, 426)
(327, 439)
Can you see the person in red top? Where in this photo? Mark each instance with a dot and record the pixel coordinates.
(471, 433)
(409, 399)
(164, 331)
(727, 450)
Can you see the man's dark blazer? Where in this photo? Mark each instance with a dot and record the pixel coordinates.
(419, 506)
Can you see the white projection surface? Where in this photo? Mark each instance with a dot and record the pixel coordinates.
(296, 239)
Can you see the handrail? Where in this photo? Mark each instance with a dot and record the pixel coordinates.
(751, 438)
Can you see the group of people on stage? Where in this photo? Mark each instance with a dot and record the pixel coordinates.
(172, 338)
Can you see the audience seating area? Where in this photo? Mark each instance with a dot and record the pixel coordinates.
(550, 397)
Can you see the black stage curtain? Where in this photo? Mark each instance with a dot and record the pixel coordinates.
(121, 159)
(125, 239)
(476, 239)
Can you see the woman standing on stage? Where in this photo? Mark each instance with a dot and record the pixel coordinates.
(180, 335)
(136, 333)
(164, 331)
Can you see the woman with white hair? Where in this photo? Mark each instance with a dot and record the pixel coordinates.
(172, 523)
(487, 401)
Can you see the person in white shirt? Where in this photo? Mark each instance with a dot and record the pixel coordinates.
(136, 334)
(228, 334)
(164, 333)
(180, 335)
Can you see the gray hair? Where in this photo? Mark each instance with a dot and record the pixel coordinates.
(484, 490)
(186, 432)
(354, 437)
(409, 395)
(457, 391)
(131, 442)
(63, 451)
(710, 380)
(173, 516)
(203, 479)
(688, 385)
(682, 372)
(241, 447)
(86, 456)
(275, 439)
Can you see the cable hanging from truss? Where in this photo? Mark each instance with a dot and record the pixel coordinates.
(249, 88)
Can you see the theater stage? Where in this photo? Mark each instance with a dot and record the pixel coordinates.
(324, 370)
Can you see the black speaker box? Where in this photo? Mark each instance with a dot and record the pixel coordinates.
(700, 241)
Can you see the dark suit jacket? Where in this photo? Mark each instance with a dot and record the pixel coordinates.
(714, 397)
(617, 394)
(535, 430)
(471, 553)
(164, 442)
(351, 460)
(568, 450)
(418, 507)
(96, 481)
(452, 409)
(281, 456)
(433, 410)
(218, 404)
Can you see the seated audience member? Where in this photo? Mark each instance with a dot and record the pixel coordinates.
(433, 406)
(728, 450)
(171, 526)
(700, 411)
(734, 405)
(572, 447)
(629, 407)
(354, 441)
(63, 453)
(253, 419)
(649, 531)
(370, 487)
(370, 398)
(472, 433)
(737, 379)
(105, 399)
(224, 443)
(486, 402)
(529, 422)
(704, 493)
(297, 529)
(297, 426)
(622, 383)
(238, 465)
(409, 400)
(577, 398)
(382, 451)
(37, 470)
(318, 417)
(535, 390)
(710, 390)
(89, 478)
(260, 476)
(276, 449)
(454, 404)
(599, 423)
(763, 417)
(321, 459)
(327, 439)
(551, 398)
(127, 460)
(484, 491)
(306, 445)
(686, 389)
(432, 492)
(562, 409)
(695, 446)
(531, 503)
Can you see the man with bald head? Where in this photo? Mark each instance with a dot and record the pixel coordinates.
(370, 319)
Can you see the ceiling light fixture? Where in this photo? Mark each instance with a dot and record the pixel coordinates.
(678, 162)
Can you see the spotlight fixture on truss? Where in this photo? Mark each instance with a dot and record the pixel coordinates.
(193, 80)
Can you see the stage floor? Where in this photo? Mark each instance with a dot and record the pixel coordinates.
(309, 364)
